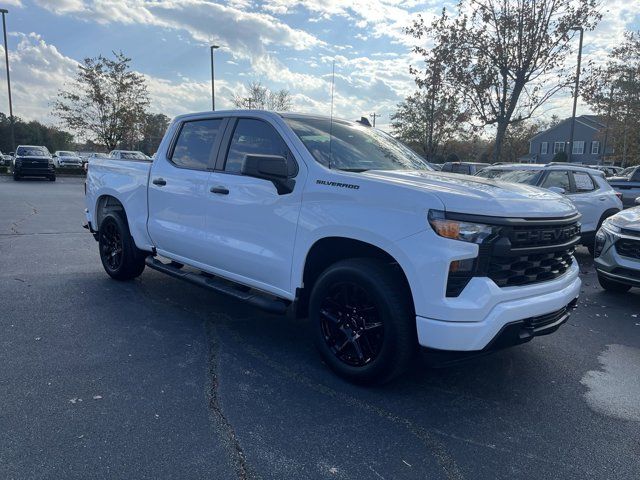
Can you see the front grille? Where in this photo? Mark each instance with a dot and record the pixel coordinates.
(628, 248)
(525, 269)
(521, 252)
(524, 236)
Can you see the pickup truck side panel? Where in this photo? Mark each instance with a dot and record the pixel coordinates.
(629, 187)
(127, 182)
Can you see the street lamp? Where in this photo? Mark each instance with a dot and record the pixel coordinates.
(575, 93)
(6, 56)
(213, 84)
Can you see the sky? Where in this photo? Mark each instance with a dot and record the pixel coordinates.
(287, 44)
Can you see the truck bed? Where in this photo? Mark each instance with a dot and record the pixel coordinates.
(126, 180)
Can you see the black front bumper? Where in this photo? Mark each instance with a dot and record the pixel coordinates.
(34, 170)
(514, 333)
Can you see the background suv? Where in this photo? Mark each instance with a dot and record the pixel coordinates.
(587, 188)
(33, 161)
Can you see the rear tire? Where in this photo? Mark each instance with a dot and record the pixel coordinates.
(612, 285)
(120, 257)
(363, 320)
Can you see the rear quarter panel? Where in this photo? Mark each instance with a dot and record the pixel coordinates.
(126, 181)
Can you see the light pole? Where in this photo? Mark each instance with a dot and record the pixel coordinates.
(213, 81)
(575, 93)
(6, 57)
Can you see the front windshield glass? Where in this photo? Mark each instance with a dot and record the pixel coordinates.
(66, 154)
(353, 147)
(529, 177)
(32, 152)
(627, 171)
(133, 156)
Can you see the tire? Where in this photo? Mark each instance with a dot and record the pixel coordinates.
(592, 249)
(120, 257)
(377, 297)
(612, 285)
(16, 177)
(52, 178)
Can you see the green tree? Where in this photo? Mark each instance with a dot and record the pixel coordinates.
(33, 133)
(506, 57)
(106, 102)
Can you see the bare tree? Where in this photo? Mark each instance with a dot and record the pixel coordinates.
(506, 57)
(106, 102)
(261, 98)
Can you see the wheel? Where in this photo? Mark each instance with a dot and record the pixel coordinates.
(16, 177)
(52, 178)
(120, 257)
(592, 249)
(612, 285)
(363, 320)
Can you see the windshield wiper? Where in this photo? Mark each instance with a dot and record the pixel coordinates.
(356, 170)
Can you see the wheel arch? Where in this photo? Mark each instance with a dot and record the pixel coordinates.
(105, 204)
(328, 250)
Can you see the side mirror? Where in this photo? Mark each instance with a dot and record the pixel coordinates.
(559, 190)
(637, 200)
(269, 167)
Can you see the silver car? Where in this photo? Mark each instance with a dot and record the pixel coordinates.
(617, 251)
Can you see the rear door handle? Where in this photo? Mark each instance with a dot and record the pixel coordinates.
(161, 182)
(219, 190)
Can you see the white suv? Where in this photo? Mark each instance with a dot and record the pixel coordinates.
(587, 188)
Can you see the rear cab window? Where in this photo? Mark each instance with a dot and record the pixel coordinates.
(195, 147)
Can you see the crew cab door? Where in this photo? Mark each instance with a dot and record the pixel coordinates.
(251, 228)
(179, 190)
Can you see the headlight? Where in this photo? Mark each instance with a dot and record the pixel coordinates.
(608, 225)
(457, 229)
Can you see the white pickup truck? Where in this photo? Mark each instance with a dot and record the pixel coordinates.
(339, 223)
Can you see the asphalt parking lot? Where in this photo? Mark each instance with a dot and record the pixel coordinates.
(156, 378)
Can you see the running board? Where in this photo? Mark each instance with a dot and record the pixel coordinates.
(257, 299)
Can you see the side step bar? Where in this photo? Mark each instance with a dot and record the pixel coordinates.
(259, 300)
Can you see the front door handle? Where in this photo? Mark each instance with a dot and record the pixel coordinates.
(219, 190)
(161, 182)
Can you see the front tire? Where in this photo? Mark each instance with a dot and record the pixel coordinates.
(16, 177)
(363, 320)
(120, 257)
(612, 285)
(52, 178)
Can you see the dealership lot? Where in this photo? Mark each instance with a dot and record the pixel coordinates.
(159, 379)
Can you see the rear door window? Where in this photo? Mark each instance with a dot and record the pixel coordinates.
(583, 181)
(196, 145)
(557, 178)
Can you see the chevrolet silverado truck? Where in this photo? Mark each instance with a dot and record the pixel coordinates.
(339, 223)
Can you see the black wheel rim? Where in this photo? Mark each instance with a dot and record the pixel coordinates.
(111, 245)
(351, 324)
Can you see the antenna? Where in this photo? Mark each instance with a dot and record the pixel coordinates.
(333, 81)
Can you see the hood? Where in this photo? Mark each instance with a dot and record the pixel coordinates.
(481, 196)
(628, 219)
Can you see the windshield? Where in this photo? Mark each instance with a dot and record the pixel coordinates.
(353, 147)
(66, 154)
(133, 156)
(529, 177)
(32, 152)
(627, 171)
(99, 155)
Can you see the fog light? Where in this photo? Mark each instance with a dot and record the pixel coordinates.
(462, 266)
